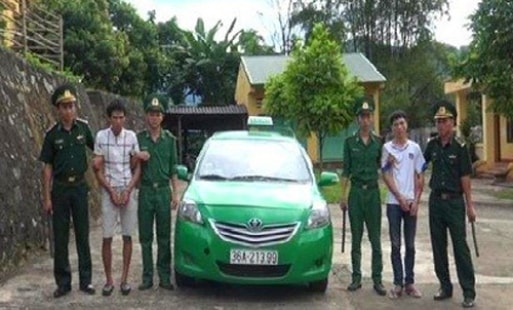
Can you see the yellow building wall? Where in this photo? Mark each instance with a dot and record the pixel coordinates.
(247, 95)
(489, 134)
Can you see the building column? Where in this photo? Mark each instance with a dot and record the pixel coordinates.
(489, 134)
(461, 108)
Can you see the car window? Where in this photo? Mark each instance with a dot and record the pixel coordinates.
(253, 160)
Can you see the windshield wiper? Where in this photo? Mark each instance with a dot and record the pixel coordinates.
(215, 177)
(262, 178)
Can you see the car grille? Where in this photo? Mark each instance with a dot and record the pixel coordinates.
(268, 235)
(254, 271)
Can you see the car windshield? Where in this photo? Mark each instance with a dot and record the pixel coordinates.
(254, 160)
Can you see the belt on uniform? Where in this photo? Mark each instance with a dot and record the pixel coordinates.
(70, 179)
(364, 185)
(155, 184)
(447, 195)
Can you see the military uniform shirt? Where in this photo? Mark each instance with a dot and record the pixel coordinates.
(65, 150)
(162, 163)
(362, 161)
(450, 163)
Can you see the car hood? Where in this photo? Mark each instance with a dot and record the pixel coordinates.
(239, 201)
(257, 194)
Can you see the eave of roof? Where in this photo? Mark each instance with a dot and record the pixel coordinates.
(207, 110)
(259, 68)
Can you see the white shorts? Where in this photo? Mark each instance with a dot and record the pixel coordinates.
(112, 214)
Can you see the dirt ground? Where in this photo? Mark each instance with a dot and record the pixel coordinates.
(32, 285)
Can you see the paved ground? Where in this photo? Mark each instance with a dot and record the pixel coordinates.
(31, 286)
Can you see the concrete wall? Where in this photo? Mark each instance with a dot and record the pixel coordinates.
(25, 115)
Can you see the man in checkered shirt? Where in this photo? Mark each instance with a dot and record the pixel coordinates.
(117, 174)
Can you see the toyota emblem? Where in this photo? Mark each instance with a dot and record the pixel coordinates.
(255, 224)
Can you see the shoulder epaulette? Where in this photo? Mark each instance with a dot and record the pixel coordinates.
(168, 133)
(83, 121)
(432, 138)
(459, 140)
(51, 127)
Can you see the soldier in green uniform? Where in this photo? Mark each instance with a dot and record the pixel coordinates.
(156, 199)
(65, 189)
(362, 153)
(450, 180)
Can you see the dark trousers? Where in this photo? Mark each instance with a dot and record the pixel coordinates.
(396, 217)
(365, 208)
(71, 202)
(155, 207)
(450, 215)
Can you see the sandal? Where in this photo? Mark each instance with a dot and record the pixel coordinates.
(125, 288)
(395, 292)
(412, 291)
(107, 289)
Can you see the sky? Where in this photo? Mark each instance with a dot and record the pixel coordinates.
(257, 14)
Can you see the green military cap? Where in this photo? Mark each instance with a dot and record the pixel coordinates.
(364, 105)
(64, 93)
(156, 103)
(445, 109)
(154, 106)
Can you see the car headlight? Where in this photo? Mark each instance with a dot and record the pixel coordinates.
(319, 215)
(188, 211)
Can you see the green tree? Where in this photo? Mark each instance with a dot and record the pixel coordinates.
(416, 81)
(326, 12)
(92, 49)
(489, 61)
(251, 43)
(210, 66)
(315, 91)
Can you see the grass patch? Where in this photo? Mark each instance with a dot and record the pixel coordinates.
(333, 193)
(504, 194)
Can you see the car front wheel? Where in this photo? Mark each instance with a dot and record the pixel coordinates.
(319, 286)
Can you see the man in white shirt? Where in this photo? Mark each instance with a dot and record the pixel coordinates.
(402, 165)
(118, 174)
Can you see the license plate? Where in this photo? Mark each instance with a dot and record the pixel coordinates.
(253, 257)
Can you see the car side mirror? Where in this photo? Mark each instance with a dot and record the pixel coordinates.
(182, 173)
(328, 179)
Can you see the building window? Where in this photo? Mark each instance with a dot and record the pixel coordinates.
(509, 133)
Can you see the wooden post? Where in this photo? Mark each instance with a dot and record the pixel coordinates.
(61, 43)
(179, 138)
(24, 26)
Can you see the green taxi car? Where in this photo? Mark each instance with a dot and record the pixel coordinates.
(253, 214)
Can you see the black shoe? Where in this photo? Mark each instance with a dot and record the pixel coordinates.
(354, 286)
(380, 289)
(167, 286)
(61, 291)
(125, 289)
(107, 289)
(88, 289)
(468, 302)
(442, 294)
(145, 286)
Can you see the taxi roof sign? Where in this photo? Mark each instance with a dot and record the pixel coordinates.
(260, 121)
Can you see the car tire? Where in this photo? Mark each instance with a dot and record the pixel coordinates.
(183, 280)
(319, 286)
